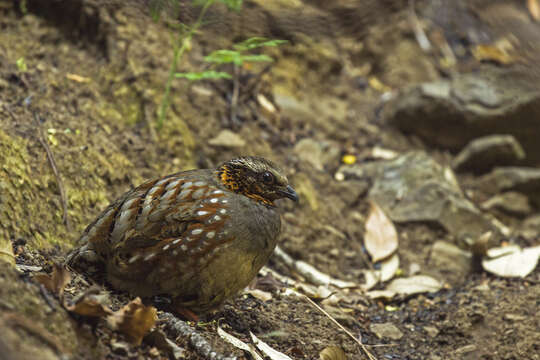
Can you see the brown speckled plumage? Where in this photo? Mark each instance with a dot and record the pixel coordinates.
(197, 236)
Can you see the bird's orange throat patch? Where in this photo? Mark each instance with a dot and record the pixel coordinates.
(232, 180)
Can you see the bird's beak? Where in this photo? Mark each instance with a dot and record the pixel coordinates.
(290, 193)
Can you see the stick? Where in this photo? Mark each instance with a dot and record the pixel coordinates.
(52, 162)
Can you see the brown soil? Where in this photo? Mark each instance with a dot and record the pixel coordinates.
(95, 77)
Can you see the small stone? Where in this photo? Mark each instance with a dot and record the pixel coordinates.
(512, 203)
(456, 263)
(228, 139)
(119, 347)
(465, 349)
(514, 317)
(386, 331)
(432, 331)
(309, 151)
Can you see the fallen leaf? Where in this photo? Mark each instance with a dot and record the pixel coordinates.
(259, 294)
(236, 342)
(511, 261)
(134, 320)
(381, 294)
(89, 305)
(77, 78)
(267, 350)
(332, 353)
(414, 285)
(56, 281)
(499, 52)
(534, 9)
(381, 239)
(387, 271)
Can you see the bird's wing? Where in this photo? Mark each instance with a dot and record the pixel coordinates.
(170, 215)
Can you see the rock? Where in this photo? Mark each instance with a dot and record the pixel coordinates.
(522, 179)
(414, 187)
(511, 203)
(432, 331)
(386, 331)
(119, 347)
(310, 151)
(450, 113)
(228, 139)
(451, 261)
(317, 153)
(484, 153)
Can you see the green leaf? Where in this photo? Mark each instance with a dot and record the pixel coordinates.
(21, 64)
(256, 42)
(256, 58)
(224, 57)
(204, 75)
(235, 5)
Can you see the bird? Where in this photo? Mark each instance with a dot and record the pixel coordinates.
(197, 237)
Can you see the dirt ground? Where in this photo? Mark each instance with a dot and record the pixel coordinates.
(94, 78)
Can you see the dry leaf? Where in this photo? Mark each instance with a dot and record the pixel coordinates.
(511, 261)
(236, 342)
(534, 9)
(267, 350)
(499, 52)
(89, 305)
(133, 320)
(387, 271)
(414, 285)
(77, 78)
(381, 239)
(56, 281)
(332, 353)
(259, 294)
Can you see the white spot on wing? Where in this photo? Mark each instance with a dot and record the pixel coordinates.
(217, 192)
(214, 200)
(172, 184)
(183, 247)
(166, 246)
(149, 256)
(224, 201)
(133, 259)
(187, 185)
(202, 213)
(196, 231)
(176, 241)
(210, 234)
(217, 218)
(223, 211)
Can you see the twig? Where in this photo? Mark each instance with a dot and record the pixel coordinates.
(45, 294)
(6, 107)
(234, 98)
(313, 303)
(419, 33)
(52, 162)
(199, 343)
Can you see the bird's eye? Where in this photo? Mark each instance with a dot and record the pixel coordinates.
(267, 177)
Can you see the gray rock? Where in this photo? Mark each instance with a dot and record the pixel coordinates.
(414, 187)
(317, 153)
(451, 113)
(309, 151)
(228, 139)
(521, 179)
(386, 331)
(484, 153)
(451, 261)
(511, 203)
